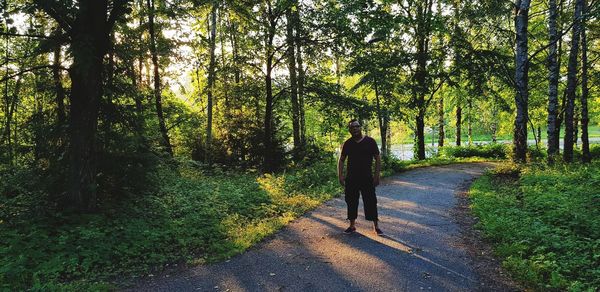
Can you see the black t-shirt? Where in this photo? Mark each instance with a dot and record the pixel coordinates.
(360, 156)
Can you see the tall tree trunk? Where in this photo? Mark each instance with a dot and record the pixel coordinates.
(60, 91)
(157, 88)
(561, 112)
(291, 56)
(225, 75)
(381, 113)
(11, 109)
(470, 121)
(441, 122)
(211, 81)
(458, 124)
(90, 43)
(268, 155)
(575, 124)
(572, 83)
(494, 122)
(553, 72)
(141, 56)
(420, 121)
(521, 80)
(233, 36)
(585, 142)
(301, 71)
(422, 34)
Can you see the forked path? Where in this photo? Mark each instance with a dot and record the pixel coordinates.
(421, 249)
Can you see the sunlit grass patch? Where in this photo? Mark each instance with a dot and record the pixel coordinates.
(544, 223)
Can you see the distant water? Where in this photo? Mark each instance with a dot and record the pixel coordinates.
(405, 151)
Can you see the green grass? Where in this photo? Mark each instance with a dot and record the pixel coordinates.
(192, 218)
(544, 224)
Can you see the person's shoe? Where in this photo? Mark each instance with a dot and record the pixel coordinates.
(378, 231)
(350, 230)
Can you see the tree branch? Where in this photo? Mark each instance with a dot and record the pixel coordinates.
(11, 76)
(39, 36)
(60, 16)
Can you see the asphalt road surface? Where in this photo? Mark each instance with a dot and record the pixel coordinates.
(420, 251)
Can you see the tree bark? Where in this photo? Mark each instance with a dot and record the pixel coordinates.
(211, 81)
(575, 125)
(458, 124)
(268, 154)
(157, 88)
(422, 35)
(470, 122)
(585, 142)
(441, 134)
(383, 124)
(291, 56)
(572, 83)
(301, 71)
(61, 117)
(90, 43)
(521, 80)
(553, 73)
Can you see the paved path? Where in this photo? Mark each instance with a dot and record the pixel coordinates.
(421, 250)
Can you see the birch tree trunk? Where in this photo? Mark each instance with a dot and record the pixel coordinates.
(553, 72)
(521, 80)
(585, 142)
(572, 83)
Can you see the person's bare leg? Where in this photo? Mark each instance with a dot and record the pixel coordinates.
(352, 227)
(376, 227)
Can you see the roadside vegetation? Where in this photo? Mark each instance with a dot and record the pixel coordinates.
(177, 214)
(544, 222)
(191, 217)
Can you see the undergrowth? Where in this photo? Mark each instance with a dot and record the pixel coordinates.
(544, 222)
(191, 217)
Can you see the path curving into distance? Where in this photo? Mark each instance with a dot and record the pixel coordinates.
(421, 250)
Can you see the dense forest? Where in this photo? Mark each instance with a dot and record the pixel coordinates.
(87, 86)
(97, 95)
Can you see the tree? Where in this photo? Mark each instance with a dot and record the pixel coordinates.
(166, 141)
(572, 82)
(291, 39)
(521, 80)
(585, 141)
(211, 78)
(88, 26)
(553, 73)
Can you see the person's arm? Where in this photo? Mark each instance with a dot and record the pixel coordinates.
(377, 170)
(340, 168)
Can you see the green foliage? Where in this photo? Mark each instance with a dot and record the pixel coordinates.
(192, 217)
(545, 223)
(493, 150)
(391, 165)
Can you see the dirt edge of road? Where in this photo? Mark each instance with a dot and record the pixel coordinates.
(491, 275)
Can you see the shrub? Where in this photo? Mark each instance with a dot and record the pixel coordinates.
(493, 150)
(545, 224)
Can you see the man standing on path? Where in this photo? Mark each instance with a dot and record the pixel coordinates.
(360, 179)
